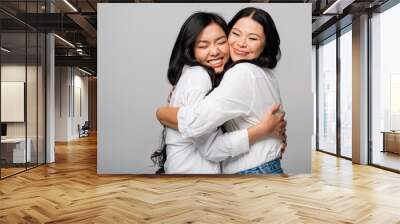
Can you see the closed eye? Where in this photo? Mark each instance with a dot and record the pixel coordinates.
(222, 42)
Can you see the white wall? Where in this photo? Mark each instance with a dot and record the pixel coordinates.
(80, 83)
(61, 103)
(132, 63)
(17, 72)
(68, 81)
(33, 127)
(12, 101)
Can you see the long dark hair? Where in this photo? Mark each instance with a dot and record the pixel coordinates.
(271, 54)
(183, 50)
(183, 54)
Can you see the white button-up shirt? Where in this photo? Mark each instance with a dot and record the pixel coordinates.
(242, 98)
(202, 154)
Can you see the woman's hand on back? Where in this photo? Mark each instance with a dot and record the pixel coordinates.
(273, 124)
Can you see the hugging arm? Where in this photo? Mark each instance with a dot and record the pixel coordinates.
(217, 146)
(273, 123)
(167, 116)
(233, 98)
(200, 119)
(214, 146)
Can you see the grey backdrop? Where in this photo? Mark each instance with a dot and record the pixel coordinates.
(134, 45)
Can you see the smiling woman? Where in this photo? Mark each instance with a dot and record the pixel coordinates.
(253, 39)
(253, 36)
(197, 61)
(246, 39)
(211, 48)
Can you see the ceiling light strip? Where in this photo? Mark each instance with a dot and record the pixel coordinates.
(64, 40)
(331, 7)
(84, 71)
(70, 5)
(5, 50)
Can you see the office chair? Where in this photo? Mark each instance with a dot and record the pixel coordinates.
(84, 130)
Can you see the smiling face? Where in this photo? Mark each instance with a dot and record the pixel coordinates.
(211, 48)
(246, 39)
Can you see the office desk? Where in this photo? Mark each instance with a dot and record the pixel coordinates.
(13, 150)
(391, 141)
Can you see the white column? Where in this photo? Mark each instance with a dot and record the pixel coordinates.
(50, 100)
(50, 93)
(360, 90)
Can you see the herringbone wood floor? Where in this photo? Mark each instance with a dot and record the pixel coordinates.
(70, 191)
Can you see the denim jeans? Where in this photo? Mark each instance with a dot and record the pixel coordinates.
(271, 167)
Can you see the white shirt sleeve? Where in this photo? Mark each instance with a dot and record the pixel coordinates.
(231, 99)
(214, 146)
(217, 146)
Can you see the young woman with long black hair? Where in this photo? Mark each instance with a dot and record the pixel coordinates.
(247, 89)
(197, 61)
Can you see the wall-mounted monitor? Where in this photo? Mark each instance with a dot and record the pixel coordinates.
(12, 101)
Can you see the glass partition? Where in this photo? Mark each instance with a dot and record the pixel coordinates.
(22, 77)
(14, 154)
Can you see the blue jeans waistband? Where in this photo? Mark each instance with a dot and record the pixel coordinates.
(270, 167)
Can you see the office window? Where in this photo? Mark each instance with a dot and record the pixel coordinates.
(394, 101)
(346, 93)
(314, 88)
(385, 87)
(327, 96)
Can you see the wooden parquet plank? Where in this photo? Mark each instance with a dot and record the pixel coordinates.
(70, 191)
